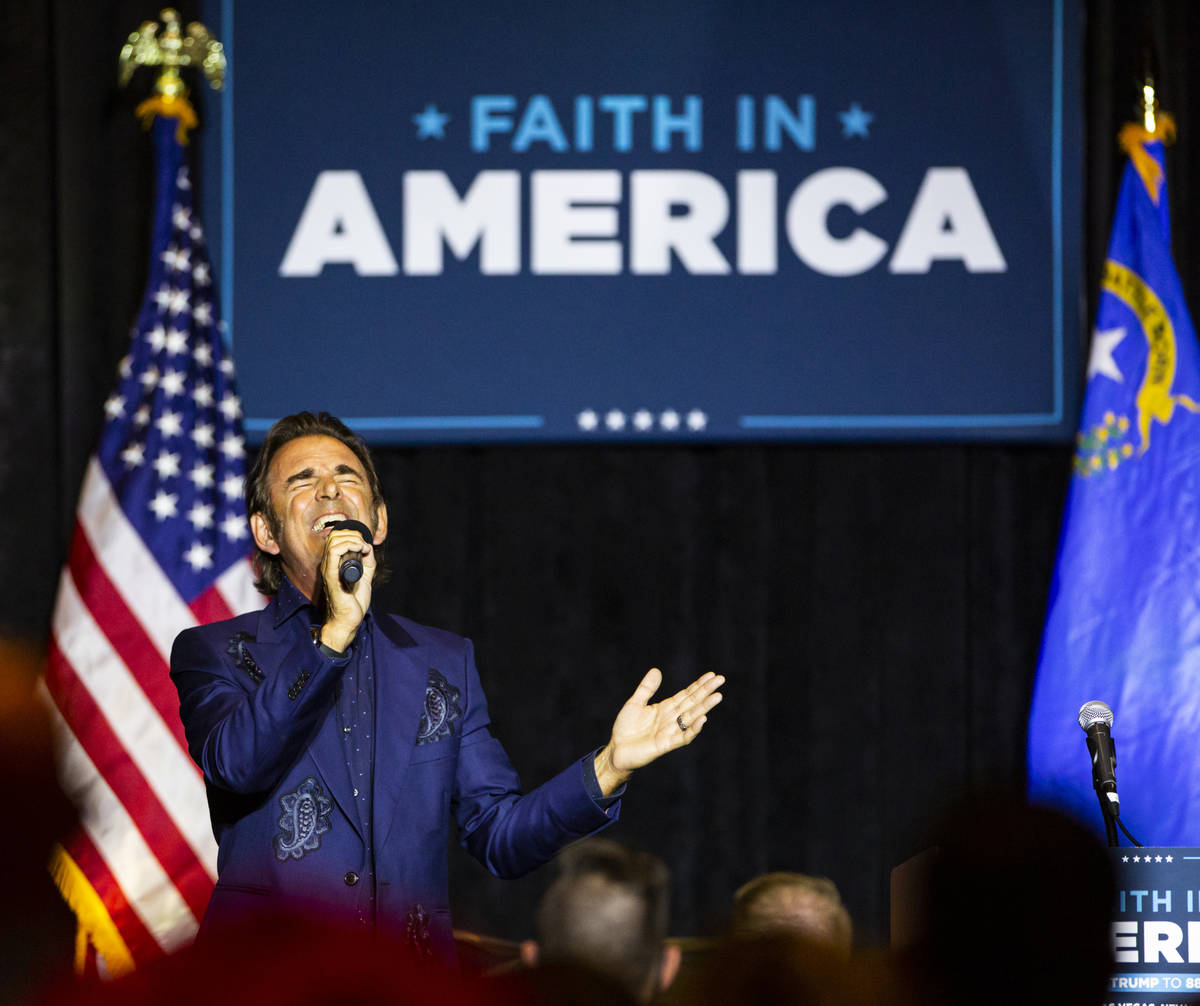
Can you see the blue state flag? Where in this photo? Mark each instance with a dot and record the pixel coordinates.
(1124, 614)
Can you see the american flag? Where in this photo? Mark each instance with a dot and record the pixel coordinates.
(160, 544)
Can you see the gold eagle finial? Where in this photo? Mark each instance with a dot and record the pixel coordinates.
(171, 49)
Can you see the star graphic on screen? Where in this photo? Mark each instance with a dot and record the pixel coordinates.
(431, 123)
(855, 122)
(1101, 361)
(1170, 859)
(588, 420)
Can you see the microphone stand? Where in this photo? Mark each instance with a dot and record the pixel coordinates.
(1106, 812)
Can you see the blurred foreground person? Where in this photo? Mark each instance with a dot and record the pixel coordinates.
(281, 960)
(555, 985)
(36, 927)
(776, 968)
(1019, 908)
(607, 911)
(793, 903)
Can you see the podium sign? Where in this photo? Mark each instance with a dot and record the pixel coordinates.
(1155, 927)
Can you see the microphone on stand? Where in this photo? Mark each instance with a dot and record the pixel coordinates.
(1095, 718)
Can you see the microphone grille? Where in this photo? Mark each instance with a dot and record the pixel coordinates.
(1095, 712)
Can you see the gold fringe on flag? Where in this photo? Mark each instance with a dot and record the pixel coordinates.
(95, 925)
(1131, 139)
(169, 107)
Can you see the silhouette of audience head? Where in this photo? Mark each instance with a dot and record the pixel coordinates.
(793, 903)
(607, 910)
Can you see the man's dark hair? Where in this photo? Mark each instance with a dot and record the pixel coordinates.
(268, 568)
(606, 910)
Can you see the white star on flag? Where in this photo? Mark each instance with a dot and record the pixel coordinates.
(232, 447)
(1101, 360)
(157, 337)
(178, 302)
(202, 395)
(200, 274)
(163, 297)
(202, 354)
(149, 377)
(199, 556)
(176, 342)
(234, 527)
(163, 504)
(202, 313)
(175, 259)
(170, 424)
(231, 407)
(202, 435)
(201, 476)
(114, 406)
(182, 217)
(232, 486)
(133, 455)
(172, 383)
(201, 515)
(166, 464)
(142, 416)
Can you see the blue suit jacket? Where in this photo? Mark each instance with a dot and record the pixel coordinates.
(257, 701)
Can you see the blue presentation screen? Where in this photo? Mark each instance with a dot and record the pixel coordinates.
(657, 222)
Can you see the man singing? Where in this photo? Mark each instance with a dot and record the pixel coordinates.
(337, 741)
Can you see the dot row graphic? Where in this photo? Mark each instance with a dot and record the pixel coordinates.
(642, 420)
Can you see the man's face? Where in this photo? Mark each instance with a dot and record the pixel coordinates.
(313, 480)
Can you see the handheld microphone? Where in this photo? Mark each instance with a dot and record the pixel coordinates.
(1096, 720)
(350, 570)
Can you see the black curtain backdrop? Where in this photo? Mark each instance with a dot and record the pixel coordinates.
(876, 608)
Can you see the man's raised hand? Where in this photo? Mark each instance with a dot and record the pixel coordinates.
(644, 731)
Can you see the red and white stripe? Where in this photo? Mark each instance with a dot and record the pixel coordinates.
(146, 843)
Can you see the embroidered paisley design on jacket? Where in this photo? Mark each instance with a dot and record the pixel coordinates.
(304, 820)
(442, 709)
